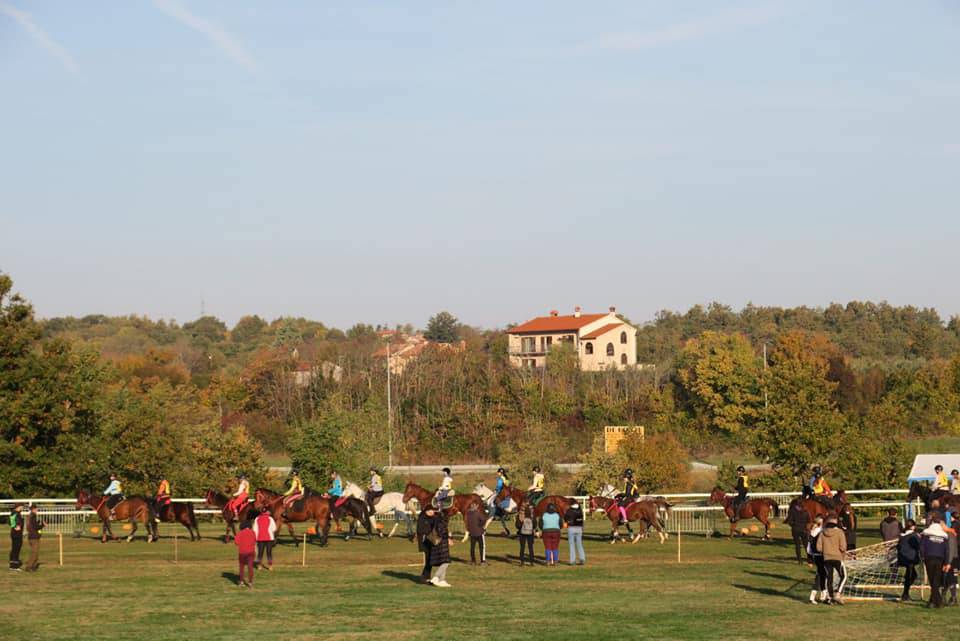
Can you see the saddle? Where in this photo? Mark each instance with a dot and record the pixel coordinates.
(445, 504)
(340, 501)
(298, 505)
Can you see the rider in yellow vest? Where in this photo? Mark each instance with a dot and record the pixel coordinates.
(941, 483)
(162, 499)
(535, 491)
(631, 492)
(295, 491)
(743, 486)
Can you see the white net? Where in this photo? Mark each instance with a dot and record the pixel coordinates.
(872, 573)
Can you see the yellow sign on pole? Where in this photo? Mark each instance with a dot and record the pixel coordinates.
(613, 434)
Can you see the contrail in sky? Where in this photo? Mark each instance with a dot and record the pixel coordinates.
(40, 36)
(226, 43)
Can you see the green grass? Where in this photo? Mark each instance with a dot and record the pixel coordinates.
(276, 459)
(939, 445)
(741, 589)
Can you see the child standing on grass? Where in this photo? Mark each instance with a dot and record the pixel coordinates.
(525, 529)
(475, 527)
(246, 542)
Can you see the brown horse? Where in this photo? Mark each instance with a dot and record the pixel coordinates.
(460, 501)
(181, 513)
(815, 508)
(759, 509)
(312, 508)
(135, 509)
(561, 503)
(220, 500)
(647, 512)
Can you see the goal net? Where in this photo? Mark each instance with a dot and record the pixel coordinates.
(872, 573)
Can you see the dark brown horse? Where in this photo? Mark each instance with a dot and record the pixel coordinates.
(220, 500)
(312, 508)
(182, 513)
(646, 512)
(135, 509)
(460, 501)
(561, 503)
(833, 506)
(759, 509)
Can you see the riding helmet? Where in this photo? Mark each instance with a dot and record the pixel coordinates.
(938, 468)
(500, 470)
(536, 468)
(741, 468)
(628, 473)
(446, 470)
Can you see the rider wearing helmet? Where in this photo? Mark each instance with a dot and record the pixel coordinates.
(162, 498)
(114, 494)
(240, 496)
(821, 489)
(374, 488)
(502, 481)
(631, 492)
(295, 491)
(807, 490)
(535, 491)
(743, 486)
(940, 482)
(445, 489)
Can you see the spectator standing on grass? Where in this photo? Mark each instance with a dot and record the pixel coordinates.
(950, 570)
(265, 529)
(573, 517)
(425, 539)
(525, 529)
(246, 542)
(832, 542)
(475, 528)
(550, 526)
(34, 525)
(16, 536)
(908, 556)
(440, 552)
(934, 549)
(890, 529)
(819, 591)
(799, 521)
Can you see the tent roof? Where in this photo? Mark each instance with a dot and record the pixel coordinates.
(923, 465)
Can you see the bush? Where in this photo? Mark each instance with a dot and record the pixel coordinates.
(659, 462)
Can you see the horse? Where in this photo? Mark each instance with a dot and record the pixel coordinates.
(503, 508)
(181, 513)
(946, 500)
(311, 508)
(815, 508)
(220, 500)
(460, 503)
(759, 509)
(134, 509)
(561, 503)
(648, 512)
(352, 507)
(389, 504)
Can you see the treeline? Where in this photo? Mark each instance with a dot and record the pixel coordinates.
(843, 386)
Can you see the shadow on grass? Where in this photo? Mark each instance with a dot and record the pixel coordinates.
(771, 592)
(232, 577)
(782, 577)
(409, 576)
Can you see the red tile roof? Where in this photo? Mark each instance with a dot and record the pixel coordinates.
(597, 333)
(569, 323)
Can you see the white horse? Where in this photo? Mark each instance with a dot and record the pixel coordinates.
(489, 497)
(390, 504)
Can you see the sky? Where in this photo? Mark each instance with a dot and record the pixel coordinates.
(378, 162)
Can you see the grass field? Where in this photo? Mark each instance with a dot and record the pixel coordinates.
(741, 589)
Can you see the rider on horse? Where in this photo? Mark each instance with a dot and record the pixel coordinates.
(955, 482)
(743, 487)
(821, 489)
(374, 488)
(631, 492)
(535, 492)
(335, 490)
(941, 484)
(502, 481)
(445, 489)
(162, 498)
(114, 494)
(240, 496)
(294, 492)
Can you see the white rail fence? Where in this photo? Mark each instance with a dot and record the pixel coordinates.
(690, 514)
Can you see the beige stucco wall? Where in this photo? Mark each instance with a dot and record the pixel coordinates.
(588, 362)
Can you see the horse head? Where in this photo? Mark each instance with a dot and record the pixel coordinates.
(718, 495)
(918, 491)
(411, 491)
(211, 498)
(83, 499)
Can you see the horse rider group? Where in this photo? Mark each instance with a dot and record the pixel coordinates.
(943, 485)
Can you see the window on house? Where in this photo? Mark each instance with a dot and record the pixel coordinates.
(588, 348)
(528, 344)
(623, 338)
(623, 359)
(609, 349)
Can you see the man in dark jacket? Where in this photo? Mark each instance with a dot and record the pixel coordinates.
(890, 529)
(908, 556)
(476, 521)
(934, 548)
(16, 536)
(424, 528)
(799, 520)
(34, 525)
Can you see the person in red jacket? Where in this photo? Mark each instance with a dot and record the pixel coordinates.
(265, 528)
(246, 542)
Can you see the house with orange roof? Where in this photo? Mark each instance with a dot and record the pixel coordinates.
(402, 349)
(601, 341)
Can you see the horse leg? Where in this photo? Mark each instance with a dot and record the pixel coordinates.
(133, 531)
(105, 523)
(766, 526)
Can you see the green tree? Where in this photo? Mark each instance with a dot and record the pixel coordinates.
(659, 462)
(316, 447)
(443, 328)
(248, 330)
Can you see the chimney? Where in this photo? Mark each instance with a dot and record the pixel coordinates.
(613, 310)
(554, 312)
(576, 312)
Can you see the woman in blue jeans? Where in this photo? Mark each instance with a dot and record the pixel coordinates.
(573, 517)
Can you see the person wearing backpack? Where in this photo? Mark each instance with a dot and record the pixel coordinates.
(16, 537)
(525, 529)
(908, 556)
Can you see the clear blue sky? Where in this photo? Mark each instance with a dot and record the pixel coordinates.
(358, 161)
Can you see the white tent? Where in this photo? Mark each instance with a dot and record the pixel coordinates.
(923, 465)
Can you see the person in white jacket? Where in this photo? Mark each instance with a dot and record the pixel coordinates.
(819, 591)
(265, 529)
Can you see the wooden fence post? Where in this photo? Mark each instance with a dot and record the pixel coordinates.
(176, 548)
(60, 542)
(303, 560)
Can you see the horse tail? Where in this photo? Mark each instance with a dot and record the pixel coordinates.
(774, 506)
(192, 517)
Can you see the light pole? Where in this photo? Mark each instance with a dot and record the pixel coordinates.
(389, 413)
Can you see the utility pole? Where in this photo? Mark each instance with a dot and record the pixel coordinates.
(389, 412)
(765, 402)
